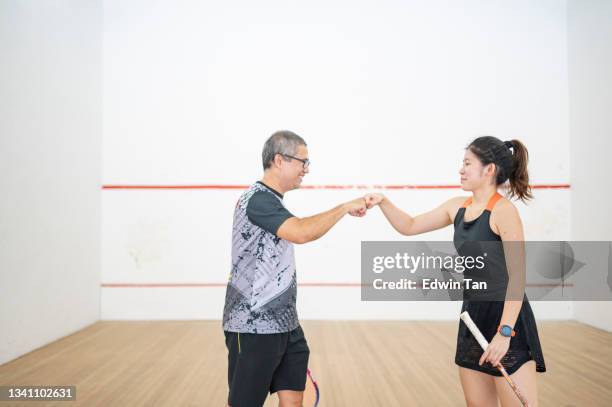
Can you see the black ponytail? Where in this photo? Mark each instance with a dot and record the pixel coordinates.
(510, 159)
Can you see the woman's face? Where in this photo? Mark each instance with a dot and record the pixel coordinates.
(473, 173)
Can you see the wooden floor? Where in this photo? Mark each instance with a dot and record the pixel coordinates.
(356, 364)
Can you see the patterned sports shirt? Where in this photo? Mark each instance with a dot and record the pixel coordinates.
(261, 292)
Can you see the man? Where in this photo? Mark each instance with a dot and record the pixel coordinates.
(267, 349)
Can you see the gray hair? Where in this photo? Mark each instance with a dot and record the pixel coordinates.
(281, 142)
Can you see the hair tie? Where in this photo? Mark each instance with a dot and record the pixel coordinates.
(509, 144)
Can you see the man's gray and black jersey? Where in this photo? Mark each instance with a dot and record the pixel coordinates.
(261, 293)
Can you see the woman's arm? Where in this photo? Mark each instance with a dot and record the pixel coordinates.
(507, 221)
(408, 225)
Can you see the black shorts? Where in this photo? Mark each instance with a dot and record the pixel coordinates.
(259, 364)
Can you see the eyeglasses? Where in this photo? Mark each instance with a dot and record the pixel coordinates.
(305, 161)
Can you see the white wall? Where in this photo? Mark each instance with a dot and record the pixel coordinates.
(384, 92)
(590, 79)
(50, 171)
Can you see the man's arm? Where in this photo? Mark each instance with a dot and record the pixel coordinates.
(304, 230)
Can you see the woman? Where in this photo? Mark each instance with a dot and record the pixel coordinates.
(486, 216)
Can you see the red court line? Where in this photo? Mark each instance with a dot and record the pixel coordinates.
(199, 285)
(175, 186)
(160, 285)
(313, 284)
(333, 187)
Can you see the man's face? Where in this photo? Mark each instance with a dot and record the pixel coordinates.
(293, 170)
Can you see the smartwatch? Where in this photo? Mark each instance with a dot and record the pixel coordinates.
(506, 330)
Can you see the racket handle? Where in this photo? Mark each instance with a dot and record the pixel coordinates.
(465, 317)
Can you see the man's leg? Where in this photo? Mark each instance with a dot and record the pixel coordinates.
(290, 398)
(290, 377)
(253, 359)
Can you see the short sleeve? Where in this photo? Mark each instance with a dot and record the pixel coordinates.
(267, 211)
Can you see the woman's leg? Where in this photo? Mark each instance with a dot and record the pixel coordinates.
(478, 388)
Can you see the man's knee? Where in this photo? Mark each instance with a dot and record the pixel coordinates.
(290, 398)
